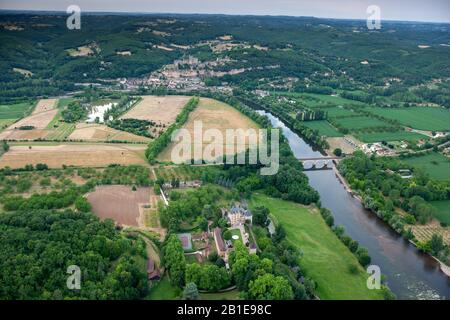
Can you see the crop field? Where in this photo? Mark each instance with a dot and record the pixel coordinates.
(14, 111)
(435, 164)
(324, 128)
(389, 136)
(425, 232)
(338, 112)
(39, 121)
(119, 203)
(212, 114)
(162, 110)
(79, 155)
(360, 122)
(324, 255)
(61, 132)
(423, 118)
(100, 132)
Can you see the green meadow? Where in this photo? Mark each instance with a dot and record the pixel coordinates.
(435, 164)
(423, 118)
(325, 258)
(389, 136)
(360, 122)
(324, 128)
(15, 111)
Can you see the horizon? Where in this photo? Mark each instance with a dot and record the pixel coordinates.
(434, 11)
(98, 12)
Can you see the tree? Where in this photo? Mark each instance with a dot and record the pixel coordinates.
(363, 256)
(5, 146)
(337, 152)
(191, 292)
(436, 243)
(270, 287)
(174, 260)
(81, 204)
(260, 216)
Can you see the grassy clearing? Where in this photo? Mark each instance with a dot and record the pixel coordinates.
(324, 128)
(325, 258)
(390, 136)
(63, 102)
(423, 118)
(163, 290)
(443, 210)
(5, 123)
(230, 295)
(435, 164)
(361, 122)
(338, 112)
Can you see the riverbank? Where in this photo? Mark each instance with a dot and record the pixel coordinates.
(443, 267)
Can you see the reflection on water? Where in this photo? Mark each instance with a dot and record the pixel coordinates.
(410, 273)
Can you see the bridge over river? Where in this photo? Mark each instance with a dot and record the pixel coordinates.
(318, 163)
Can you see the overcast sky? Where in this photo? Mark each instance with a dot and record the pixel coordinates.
(412, 10)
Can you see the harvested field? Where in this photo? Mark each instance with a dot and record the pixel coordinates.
(79, 155)
(45, 105)
(100, 132)
(214, 115)
(119, 203)
(39, 121)
(162, 110)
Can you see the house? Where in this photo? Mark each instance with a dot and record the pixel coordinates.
(220, 244)
(153, 272)
(237, 215)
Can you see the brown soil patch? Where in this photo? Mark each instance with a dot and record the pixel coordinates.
(45, 105)
(100, 132)
(158, 109)
(119, 203)
(79, 155)
(341, 143)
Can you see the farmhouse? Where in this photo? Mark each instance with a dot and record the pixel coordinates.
(376, 148)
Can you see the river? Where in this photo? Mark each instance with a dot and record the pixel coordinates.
(410, 273)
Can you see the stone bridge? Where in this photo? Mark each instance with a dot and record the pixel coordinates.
(323, 163)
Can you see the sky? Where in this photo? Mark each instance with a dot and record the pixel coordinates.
(407, 10)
